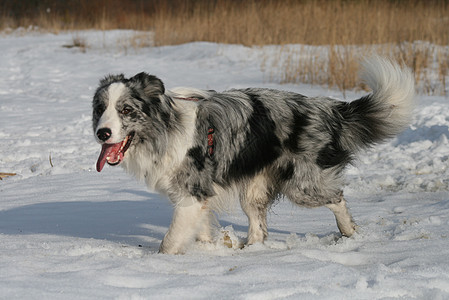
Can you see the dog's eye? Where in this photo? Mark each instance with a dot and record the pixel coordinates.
(126, 110)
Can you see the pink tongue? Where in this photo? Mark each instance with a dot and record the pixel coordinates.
(109, 152)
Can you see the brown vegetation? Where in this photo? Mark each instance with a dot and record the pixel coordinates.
(338, 65)
(250, 22)
(348, 28)
(4, 175)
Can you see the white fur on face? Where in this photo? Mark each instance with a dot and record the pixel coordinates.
(110, 118)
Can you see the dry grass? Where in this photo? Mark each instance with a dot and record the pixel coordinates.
(77, 42)
(4, 175)
(338, 66)
(347, 28)
(250, 22)
(304, 22)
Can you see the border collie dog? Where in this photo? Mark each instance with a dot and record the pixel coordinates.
(204, 148)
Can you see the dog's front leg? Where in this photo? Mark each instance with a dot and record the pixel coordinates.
(187, 217)
(204, 233)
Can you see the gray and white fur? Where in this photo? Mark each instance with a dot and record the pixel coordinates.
(204, 148)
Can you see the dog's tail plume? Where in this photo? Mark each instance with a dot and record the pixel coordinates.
(387, 110)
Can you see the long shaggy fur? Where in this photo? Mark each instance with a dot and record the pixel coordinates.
(202, 148)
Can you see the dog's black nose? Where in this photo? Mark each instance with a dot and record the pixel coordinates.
(104, 134)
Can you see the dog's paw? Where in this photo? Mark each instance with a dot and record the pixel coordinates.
(164, 248)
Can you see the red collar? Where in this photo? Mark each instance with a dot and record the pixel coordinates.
(210, 141)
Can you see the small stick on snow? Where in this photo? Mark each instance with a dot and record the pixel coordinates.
(4, 175)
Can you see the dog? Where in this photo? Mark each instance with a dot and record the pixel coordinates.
(203, 148)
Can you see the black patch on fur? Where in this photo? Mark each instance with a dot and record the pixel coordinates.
(261, 146)
(332, 154)
(286, 172)
(150, 106)
(150, 84)
(98, 108)
(297, 127)
(198, 192)
(148, 110)
(133, 116)
(153, 108)
(198, 157)
(359, 114)
(165, 117)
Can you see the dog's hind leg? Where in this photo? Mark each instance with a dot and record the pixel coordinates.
(345, 223)
(257, 218)
(187, 219)
(255, 204)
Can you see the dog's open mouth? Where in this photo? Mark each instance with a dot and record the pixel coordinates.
(113, 154)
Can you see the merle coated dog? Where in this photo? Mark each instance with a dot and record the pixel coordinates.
(204, 148)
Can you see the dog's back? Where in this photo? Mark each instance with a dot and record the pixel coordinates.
(300, 139)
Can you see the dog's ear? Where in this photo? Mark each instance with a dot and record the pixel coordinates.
(151, 85)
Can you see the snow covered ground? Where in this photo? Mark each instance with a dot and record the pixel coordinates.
(68, 232)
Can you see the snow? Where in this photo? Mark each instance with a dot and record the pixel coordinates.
(68, 232)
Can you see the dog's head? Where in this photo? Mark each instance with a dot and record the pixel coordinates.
(124, 109)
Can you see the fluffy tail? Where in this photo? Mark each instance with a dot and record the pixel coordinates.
(386, 111)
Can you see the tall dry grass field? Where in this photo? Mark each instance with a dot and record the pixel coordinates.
(337, 66)
(348, 28)
(316, 22)
(248, 22)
